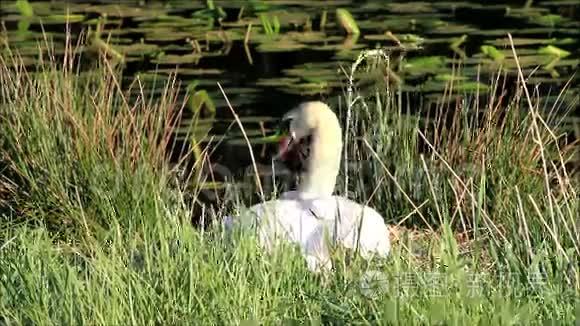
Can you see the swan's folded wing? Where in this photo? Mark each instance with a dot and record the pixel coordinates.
(276, 220)
(311, 224)
(364, 228)
(354, 226)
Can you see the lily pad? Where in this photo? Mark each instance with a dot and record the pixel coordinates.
(242, 23)
(457, 5)
(137, 49)
(236, 100)
(177, 59)
(173, 59)
(280, 46)
(421, 64)
(168, 36)
(287, 17)
(175, 22)
(313, 70)
(190, 71)
(338, 47)
(151, 77)
(277, 82)
(550, 20)
(454, 29)
(492, 52)
(307, 37)
(560, 3)
(458, 86)
(241, 90)
(523, 41)
(450, 77)
(412, 7)
(258, 119)
(62, 19)
(554, 51)
(308, 88)
(114, 10)
(223, 35)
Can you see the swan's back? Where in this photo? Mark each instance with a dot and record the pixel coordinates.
(354, 226)
(311, 222)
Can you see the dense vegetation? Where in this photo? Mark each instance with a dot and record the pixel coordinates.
(96, 226)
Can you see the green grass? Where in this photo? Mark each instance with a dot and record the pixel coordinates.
(96, 227)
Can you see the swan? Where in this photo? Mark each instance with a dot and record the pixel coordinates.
(311, 216)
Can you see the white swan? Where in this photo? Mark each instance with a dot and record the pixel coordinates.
(303, 217)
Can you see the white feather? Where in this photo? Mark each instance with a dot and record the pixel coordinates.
(311, 217)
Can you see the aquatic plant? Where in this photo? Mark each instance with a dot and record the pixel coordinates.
(271, 25)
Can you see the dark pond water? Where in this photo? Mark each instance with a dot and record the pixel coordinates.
(294, 49)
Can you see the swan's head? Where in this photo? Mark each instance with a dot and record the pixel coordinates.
(313, 145)
(309, 122)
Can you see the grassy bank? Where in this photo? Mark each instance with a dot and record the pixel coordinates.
(96, 229)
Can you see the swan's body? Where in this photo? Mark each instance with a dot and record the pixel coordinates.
(311, 216)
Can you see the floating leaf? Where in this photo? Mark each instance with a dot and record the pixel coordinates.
(449, 77)
(113, 10)
(456, 29)
(313, 70)
(184, 59)
(137, 49)
(338, 47)
(522, 41)
(256, 119)
(241, 90)
(190, 71)
(424, 63)
(413, 7)
(560, 3)
(222, 36)
(283, 45)
(308, 37)
(411, 38)
(287, 18)
(283, 81)
(455, 87)
(527, 61)
(548, 20)
(308, 88)
(174, 22)
(167, 35)
(378, 37)
(492, 52)
(555, 51)
(62, 19)
(151, 76)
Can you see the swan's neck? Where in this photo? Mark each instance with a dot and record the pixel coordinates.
(323, 164)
